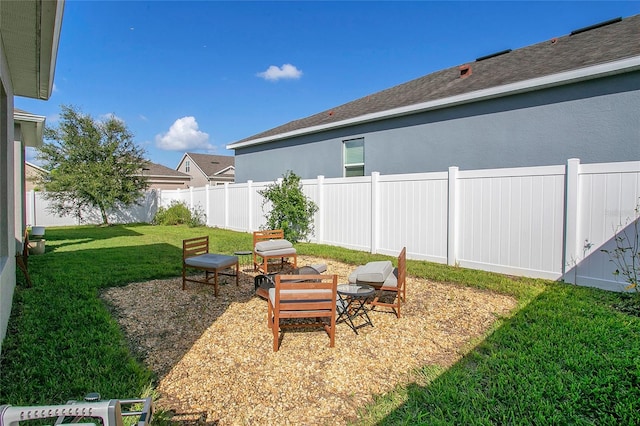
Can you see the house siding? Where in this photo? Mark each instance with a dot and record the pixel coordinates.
(595, 120)
(198, 179)
(160, 182)
(10, 215)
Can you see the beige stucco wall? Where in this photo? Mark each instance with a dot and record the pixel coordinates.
(29, 174)
(198, 179)
(168, 183)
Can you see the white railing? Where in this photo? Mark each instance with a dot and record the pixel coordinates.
(545, 222)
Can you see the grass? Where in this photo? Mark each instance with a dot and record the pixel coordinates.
(565, 356)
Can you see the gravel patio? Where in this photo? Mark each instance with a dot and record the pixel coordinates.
(214, 358)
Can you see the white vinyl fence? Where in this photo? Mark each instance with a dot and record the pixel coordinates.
(545, 222)
(38, 212)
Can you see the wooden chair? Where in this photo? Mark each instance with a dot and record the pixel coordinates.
(303, 296)
(195, 255)
(22, 259)
(270, 244)
(394, 291)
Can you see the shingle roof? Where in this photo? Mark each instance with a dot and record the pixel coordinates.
(608, 43)
(160, 170)
(212, 164)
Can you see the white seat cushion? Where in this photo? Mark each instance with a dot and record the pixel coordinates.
(281, 252)
(360, 272)
(353, 276)
(273, 245)
(375, 272)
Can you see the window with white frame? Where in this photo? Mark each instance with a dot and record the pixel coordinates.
(187, 166)
(354, 157)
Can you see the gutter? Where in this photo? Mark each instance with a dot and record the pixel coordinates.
(553, 80)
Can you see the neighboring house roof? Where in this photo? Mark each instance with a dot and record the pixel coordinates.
(158, 170)
(35, 167)
(586, 53)
(212, 165)
(31, 127)
(30, 36)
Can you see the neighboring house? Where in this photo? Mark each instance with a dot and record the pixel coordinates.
(575, 96)
(31, 173)
(30, 33)
(206, 169)
(162, 177)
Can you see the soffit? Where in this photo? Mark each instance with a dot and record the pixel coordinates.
(30, 32)
(31, 127)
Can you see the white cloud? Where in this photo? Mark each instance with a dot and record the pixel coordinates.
(274, 73)
(183, 135)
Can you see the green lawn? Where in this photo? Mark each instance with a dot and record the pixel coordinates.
(565, 357)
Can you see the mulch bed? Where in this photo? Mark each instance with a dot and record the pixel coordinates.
(215, 363)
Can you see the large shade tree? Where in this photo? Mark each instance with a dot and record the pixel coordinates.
(91, 163)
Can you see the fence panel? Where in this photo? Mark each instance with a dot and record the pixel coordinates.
(258, 219)
(238, 207)
(413, 213)
(609, 194)
(38, 212)
(216, 209)
(311, 190)
(198, 199)
(511, 221)
(347, 212)
(167, 196)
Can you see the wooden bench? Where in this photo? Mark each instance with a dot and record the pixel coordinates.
(270, 244)
(195, 255)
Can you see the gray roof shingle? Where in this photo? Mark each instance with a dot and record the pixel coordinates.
(608, 43)
(153, 169)
(212, 164)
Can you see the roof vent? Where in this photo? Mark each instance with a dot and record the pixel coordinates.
(593, 27)
(465, 71)
(493, 55)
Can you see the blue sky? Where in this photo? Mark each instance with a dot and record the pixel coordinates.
(197, 76)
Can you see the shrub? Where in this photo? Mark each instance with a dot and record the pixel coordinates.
(179, 214)
(291, 210)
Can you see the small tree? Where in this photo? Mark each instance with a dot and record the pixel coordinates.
(91, 164)
(291, 210)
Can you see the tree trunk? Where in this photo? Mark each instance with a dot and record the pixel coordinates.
(103, 212)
